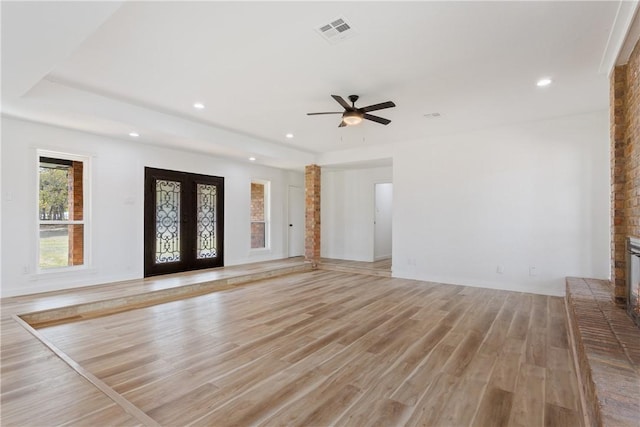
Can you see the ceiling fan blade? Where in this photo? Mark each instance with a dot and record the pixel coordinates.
(342, 124)
(342, 102)
(380, 106)
(377, 119)
(332, 112)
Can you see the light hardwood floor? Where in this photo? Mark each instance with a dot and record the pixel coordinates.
(315, 348)
(39, 389)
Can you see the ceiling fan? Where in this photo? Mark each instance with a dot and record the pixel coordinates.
(353, 115)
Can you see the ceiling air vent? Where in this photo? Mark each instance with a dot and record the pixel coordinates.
(337, 30)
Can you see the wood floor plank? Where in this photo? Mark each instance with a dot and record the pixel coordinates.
(557, 416)
(110, 416)
(160, 392)
(495, 408)
(200, 401)
(536, 348)
(558, 332)
(559, 359)
(407, 362)
(528, 398)
(386, 412)
(432, 402)
(505, 371)
(463, 355)
(371, 406)
(139, 376)
(496, 337)
(520, 323)
(265, 399)
(560, 390)
(539, 311)
(323, 396)
(411, 390)
(459, 410)
(325, 413)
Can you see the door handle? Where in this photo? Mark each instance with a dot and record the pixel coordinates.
(290, 225)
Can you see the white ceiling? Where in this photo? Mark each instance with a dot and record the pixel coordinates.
(110, 68)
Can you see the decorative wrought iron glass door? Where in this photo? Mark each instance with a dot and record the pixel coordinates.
(183, 221)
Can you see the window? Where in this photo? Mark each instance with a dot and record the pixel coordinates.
(259, 214)
(61, 211)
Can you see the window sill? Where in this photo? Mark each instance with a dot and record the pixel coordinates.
(61, 273)
(260, 251)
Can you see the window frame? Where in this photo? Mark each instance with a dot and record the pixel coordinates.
(86, 212)
(267, 215)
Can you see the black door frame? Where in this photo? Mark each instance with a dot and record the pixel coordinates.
(188, 212)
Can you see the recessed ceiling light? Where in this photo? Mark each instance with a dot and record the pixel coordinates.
(198, 105)
(134, 134)
(289, 135)
(252, 159)
(544, 82)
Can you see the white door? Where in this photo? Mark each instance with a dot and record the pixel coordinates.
(382, 229)
(296, 221)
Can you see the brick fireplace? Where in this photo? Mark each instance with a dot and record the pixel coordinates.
(625, 171)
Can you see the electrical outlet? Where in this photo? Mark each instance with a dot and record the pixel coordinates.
(500, 269)
(532, 271)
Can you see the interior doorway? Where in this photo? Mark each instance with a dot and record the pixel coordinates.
(296, 221)
(183, 221)
(382, 221)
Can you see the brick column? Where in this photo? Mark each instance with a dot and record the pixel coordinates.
(312, 213)
(618, 181)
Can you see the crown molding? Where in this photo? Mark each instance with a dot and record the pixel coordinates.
(624, 34)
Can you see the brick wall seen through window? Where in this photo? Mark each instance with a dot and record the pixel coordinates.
(61, 213)
(259, 215)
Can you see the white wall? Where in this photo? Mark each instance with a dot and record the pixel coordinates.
(520, 196)
(534, 194)
(383, 220)
(117, 180)
(347, 212)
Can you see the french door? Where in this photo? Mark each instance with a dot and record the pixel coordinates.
(183, 221)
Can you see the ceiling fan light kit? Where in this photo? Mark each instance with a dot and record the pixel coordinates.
(352, 115)
(351, 118)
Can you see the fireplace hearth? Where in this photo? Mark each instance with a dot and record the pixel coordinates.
(633, 279)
